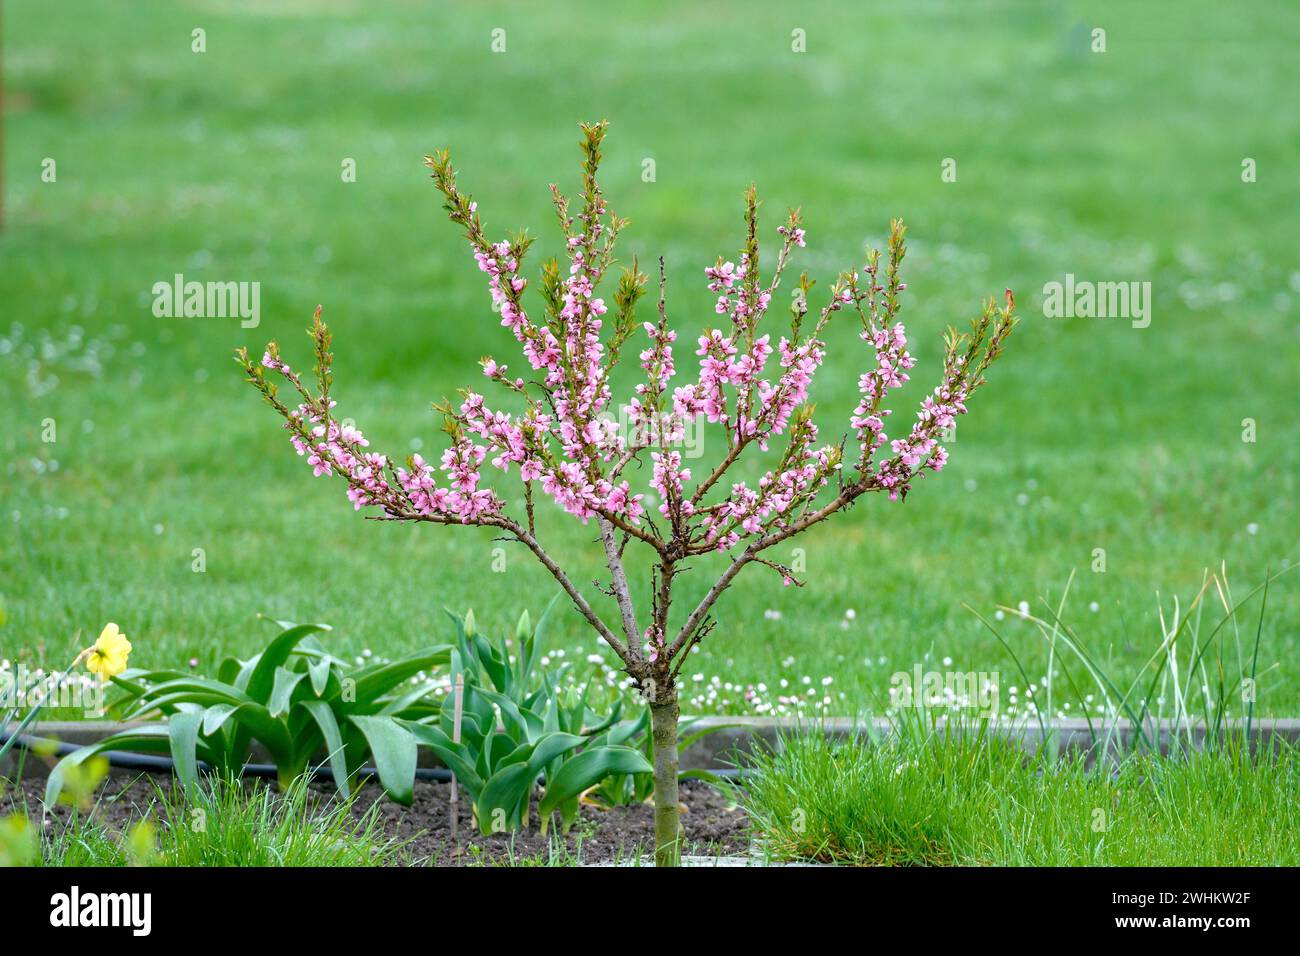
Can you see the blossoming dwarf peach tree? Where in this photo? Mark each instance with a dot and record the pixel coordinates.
(563, 440)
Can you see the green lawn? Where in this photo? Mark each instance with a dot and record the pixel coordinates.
(225, 165)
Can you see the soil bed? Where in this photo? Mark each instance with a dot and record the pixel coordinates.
(714, 825)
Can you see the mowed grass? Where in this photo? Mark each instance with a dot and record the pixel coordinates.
(226, 166)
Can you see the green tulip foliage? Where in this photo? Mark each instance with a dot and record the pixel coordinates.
(294, 698)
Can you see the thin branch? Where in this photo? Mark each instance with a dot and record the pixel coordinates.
(628, 528)
(751, 554)
(700, 634)
(575, 595)
(622, 594)
(720, 470)
(702, 609)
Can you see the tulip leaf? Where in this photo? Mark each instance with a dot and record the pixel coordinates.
(329, 728)
(587, 769)
(150, 738)
(282, 690)
(456, 756)
(498, 804)
(319, 669)
(262, 676)
(394, 751)
(183, 736)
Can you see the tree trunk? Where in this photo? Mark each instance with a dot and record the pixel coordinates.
(663, 728)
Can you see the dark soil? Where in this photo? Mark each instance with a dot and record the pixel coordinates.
(714, 825)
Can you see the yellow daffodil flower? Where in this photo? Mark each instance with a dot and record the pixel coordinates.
(107, 657)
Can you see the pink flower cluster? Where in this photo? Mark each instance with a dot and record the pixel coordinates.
(337, 448)
(892, 362)
(793, 234)
(921, 447)
(571, 355)
(575, 374)
(506, 285)
(801, 363)
(462, 499)
(657, 361)
(650, 423)
(753, 511)
(652, 644)
(750, 302)
(731, 390)
(722, 364)
(581, 313)
(667, 478)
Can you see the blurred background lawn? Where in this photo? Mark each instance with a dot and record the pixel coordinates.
(225, 165)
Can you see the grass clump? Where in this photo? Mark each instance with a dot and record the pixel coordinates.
(226, 823)
(230, 825)
(926, 797)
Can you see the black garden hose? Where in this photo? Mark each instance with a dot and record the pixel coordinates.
(131, 761)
